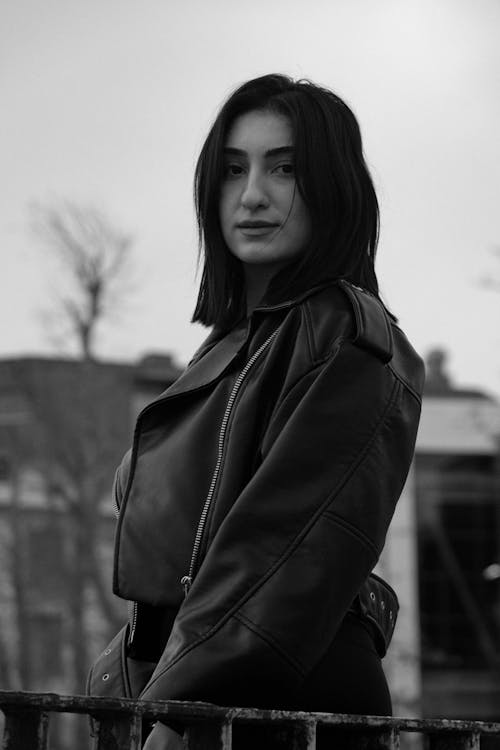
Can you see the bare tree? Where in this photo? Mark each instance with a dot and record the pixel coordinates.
(95, 259)
(77, 409)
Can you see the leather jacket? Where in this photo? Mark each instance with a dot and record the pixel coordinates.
(258, 492)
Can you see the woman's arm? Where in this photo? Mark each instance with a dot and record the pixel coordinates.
(163, 738)
(288, 560)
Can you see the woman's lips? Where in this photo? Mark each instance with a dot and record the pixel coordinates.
(249, 230)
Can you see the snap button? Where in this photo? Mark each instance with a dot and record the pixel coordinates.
(390, 614)
(108, 651)
(105, 677)
(382, 604)
(372, 596)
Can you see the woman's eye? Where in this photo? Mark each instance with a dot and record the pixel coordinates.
(233, 170)
(285, 169)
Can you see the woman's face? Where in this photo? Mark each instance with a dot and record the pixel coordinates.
(263, 217)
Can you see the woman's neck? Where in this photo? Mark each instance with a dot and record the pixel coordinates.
(257, 278)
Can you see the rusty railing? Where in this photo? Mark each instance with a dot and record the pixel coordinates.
(118, 725)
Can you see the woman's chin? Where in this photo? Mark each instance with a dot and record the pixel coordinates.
(260, 256)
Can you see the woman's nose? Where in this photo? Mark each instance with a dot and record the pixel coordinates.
(254, 194)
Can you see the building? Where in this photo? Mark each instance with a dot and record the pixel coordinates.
(64, 426)
(443, 557)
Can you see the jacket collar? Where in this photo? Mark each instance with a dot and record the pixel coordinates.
(266, 306)
(214, 359)
(211, 365)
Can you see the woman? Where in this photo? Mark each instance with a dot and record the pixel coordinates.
(256, 498)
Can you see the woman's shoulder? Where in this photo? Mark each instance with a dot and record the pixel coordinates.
(342, 312)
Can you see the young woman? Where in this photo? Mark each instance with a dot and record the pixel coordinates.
(255, 501)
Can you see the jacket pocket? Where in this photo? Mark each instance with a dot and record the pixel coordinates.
(114, 674)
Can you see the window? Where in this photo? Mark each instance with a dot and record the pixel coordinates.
(46, 639)
(5, 468)
(458, 538)
(47, 572)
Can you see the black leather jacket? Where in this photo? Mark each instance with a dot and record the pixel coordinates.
(258, 493)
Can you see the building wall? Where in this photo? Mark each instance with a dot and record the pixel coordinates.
(445, 532)
(398, 565)
(64, 426)
(35, 581)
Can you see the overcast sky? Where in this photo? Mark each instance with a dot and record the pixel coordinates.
(107, 102)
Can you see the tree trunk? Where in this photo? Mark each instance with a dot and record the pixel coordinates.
(77, 604)
(109, 609)
(18, 568)
(78, 587)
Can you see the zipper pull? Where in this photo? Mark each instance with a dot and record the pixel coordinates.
(186, 582)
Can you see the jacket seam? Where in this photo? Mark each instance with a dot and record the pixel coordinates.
(292, 546)
(270, 640)
(309, 331)
(332, 354)
(408, 387)
(360, 535)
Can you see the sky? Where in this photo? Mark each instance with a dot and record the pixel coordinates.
(107, 104)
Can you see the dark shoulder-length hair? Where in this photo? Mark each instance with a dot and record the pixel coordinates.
(332, 178)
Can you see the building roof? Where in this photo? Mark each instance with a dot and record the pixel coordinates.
(74, 414)
(438, 383)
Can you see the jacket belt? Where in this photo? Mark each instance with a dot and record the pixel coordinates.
(378, 604)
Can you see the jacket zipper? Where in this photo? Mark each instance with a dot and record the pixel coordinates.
(187, 580)
(133, 624)
(116, 504)
(132, 617)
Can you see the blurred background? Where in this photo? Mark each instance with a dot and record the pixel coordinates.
(105, 108)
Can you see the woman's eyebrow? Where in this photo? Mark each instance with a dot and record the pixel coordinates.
(278, 151)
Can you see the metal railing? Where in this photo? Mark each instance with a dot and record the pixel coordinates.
(118, 725)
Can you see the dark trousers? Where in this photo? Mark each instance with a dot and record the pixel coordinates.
(349, 679)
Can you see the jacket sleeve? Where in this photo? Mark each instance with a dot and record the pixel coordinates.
(290, 557)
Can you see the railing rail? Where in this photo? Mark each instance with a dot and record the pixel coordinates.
(118, 725)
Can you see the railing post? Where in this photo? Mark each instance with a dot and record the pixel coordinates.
(274, 735)
(118, 733)
(453, 741)
(363, 739)
(383, 739)
(303, 736)
(25, 730)
(209, 735)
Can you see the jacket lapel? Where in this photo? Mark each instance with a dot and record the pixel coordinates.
(211, 365)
